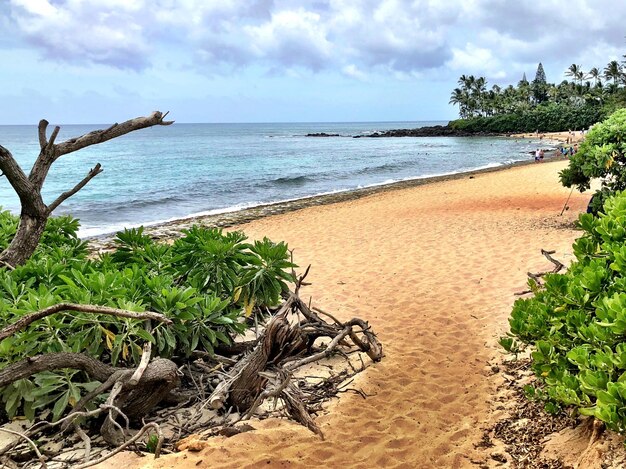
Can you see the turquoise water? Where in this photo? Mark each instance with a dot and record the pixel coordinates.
(165, 173)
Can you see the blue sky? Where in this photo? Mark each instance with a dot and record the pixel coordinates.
(99, 61)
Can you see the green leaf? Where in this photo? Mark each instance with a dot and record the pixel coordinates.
(60, 406)
(145, 335)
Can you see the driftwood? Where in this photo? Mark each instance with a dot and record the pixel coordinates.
(247, 374)
(135, 391)
(558, 266)
(25, 321)
(146, 386)
(267, 370)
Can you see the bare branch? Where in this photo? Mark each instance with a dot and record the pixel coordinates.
(53, 137)
(327, 352)
(65, 421)
(66, 307)
(55, 361)
(17, 178)
(66, 195)
(83, 436)
(31, 443)
(143, 364)
(99, 136)
(139, 434)
(105, 386)
(320, 311)
(111, 127)
(43, 141)
(373, 348)
(107, 429)
(214, 357)
(278, 386)
(558, 265)
(34, 213)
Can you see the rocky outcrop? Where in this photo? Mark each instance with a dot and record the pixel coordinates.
(432, 131)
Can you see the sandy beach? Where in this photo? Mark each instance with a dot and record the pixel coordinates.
(434, 268)
(564, 138)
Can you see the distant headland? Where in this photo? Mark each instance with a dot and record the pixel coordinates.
(429, 131)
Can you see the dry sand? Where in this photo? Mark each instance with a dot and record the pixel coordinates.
(560, 137)
(434, 269)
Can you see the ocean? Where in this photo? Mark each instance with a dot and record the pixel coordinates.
(165, 173)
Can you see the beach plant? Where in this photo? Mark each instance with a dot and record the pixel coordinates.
(575, 323)
(207, 284)
(601, 155)
(546, 117)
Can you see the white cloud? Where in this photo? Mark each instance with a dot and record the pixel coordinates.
(471, 58)
(405, 38)
(292, 38)
(353, 71)
(97, 31)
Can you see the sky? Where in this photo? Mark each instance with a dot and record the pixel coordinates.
(100, 61)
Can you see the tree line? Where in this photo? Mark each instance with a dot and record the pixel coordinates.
(596, 88)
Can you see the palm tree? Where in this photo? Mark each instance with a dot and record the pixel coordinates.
(613, 71)
(460, 97)
(509, 99)
(595, 74)
(464, 81)
(574, 71)
(580, 76)
(478, 93)
(492, 102)
(524, 95)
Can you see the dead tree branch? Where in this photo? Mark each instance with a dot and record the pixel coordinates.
(66, 195)
(558, 266)
(266, 371)
(271, 367)
(114, 131)
(66, 307)
(31, 443)
(34, 212)
(83, 436)
(143, 364)
(126, 444)
(55, 361)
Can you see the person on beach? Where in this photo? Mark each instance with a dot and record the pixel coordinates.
(537, 154)
(540, 155)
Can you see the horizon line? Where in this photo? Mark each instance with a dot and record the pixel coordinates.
(244, 123)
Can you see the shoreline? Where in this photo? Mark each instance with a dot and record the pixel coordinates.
(172, 229)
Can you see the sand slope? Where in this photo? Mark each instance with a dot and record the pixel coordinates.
(434, 269)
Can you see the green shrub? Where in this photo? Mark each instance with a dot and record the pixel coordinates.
(549, 117)
(208, 282)
(576, 324)
(601, 155)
